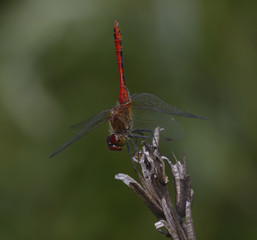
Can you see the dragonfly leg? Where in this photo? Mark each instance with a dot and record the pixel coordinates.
(140, 136)
(131, 156)
(140, 131)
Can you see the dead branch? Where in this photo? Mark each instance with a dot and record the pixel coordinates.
(175, 219)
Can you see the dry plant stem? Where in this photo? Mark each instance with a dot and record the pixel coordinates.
(152, 189)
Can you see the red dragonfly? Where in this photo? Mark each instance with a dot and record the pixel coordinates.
(133, 115)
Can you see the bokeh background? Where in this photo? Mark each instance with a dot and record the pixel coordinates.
(58, 67)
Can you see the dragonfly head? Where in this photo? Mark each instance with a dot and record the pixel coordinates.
(115, 142)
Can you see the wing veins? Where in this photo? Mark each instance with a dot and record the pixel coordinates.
(90, 125)
(147, 101)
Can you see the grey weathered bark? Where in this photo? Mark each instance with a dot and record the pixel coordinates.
(152, 189)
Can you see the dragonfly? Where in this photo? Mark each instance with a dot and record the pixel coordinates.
(132, 116)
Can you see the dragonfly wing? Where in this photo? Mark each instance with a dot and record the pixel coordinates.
(88, 126)
(149, 120)
(147, 101)
(80, 125)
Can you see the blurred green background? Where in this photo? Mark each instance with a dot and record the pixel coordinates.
(58, 67)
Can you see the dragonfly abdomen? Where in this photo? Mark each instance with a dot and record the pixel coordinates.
(124, 94)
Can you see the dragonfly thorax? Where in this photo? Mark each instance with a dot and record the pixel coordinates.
(120, 119)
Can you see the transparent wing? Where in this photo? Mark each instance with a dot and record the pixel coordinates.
(79, 125)
(149, 120)
(147, 101)
(86, 127)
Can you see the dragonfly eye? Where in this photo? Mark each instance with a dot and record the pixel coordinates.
(115, 142)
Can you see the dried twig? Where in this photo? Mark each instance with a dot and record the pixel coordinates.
(177, 220)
